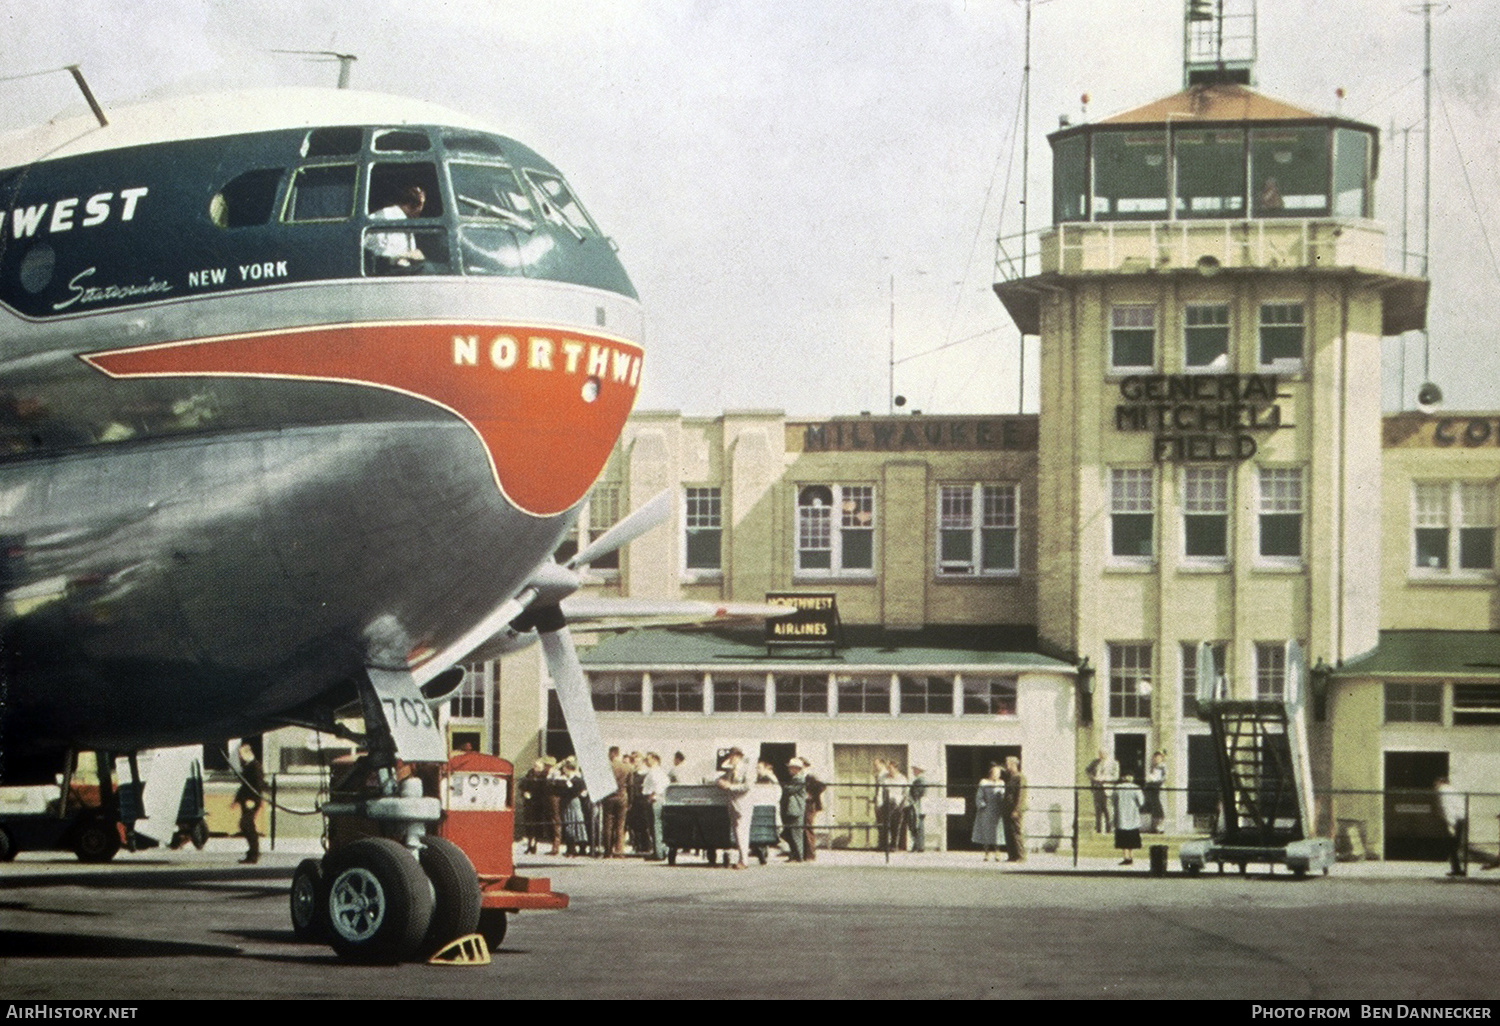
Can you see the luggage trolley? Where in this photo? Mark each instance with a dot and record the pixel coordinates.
(695, 817)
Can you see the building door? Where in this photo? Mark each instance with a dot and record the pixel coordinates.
(1414, 827)
(778, 754)
(1202, 781)
(967, 765)
(1130, 753)
(853, 796)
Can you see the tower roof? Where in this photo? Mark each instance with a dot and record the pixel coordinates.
(1219, 101)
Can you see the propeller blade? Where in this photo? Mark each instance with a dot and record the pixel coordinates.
(578, 710)
(628, 530)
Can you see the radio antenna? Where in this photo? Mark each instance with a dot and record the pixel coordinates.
(346, 61)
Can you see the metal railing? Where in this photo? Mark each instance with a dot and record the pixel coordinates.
(1062, 819)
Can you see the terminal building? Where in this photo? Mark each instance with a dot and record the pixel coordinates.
(1210, 463)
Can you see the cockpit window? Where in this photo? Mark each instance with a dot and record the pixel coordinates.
(333, 142)
(323, 192)
(401, 140)
(558, 204)
(247, 199)
(489, 192)
(472, 143)
(391, 186)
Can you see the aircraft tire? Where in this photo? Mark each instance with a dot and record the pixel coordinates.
(455, 888)
(378, 901)
(309, 903)
(7, 846)
(198, 834)
(96, 840)
(492, 924)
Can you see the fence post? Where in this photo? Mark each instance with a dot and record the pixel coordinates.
(1075, 826)
(274, 778)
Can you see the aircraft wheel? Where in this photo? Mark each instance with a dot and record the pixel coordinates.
(455, 887)
(379, 901)
(7, 846)
(713, 856)
(492, 924)
(762, 854)
(309, 904)
(671, 856)
(96, 840)
(198, 834)
(1193, 870)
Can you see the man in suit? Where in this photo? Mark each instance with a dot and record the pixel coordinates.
(248, 798)
(794, 809)
(617, 805)
(1013, 805)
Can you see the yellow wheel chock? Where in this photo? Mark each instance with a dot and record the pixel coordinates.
(467, 950)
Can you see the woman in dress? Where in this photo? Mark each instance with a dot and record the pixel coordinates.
(1156, 776)
(1128, 804)
(574, 817)
(989, 827)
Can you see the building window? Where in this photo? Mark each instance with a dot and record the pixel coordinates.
(1205, 512)
(1270, 670)
(1130, 681)
(1281, 336)
(989, 696)
(1413, 703)
(1281, 512)
(1476, 705)
(617, 692)
(970, 545)
(1440, 507)
(739, 695)
(467, 702)
(1132, 338)
(1190, 673)
(677, 694)
(1132, 506)
(1205, 336)
(598, 513)
(703, 524)
(801, 693)
(863, 694)
(930, 695)
(835, 529)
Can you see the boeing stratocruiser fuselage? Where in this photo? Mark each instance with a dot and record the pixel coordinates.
(291, 383)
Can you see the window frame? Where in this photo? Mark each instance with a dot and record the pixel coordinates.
(979, 493)
(1121, 503)
(1123, 312)
(1211, 367)
(690, 495)
(634, 688)
(810, 686)
(1456, 512)
(1270, 673)
(1187, 676)
(1001, 696)
(919, 689)
(836, 531)
(1418, 697)
(1263, 500)
(746, 684)
(679, 684)
(1188, 502)
(868, 691)
(1126, 668)
(1281, 365)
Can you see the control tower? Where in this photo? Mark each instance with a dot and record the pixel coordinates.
(1210, 300)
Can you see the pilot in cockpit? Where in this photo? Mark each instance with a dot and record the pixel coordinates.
(397, 250)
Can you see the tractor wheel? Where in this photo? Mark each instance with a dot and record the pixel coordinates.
(309, 903)
(492, 924)
(96, 840)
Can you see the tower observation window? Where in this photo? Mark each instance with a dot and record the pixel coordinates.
(1289, 172)
(1130, 175)
(1210, 172)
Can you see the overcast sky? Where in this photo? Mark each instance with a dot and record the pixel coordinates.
(770, 168)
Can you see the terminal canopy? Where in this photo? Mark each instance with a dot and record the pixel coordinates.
(1214, 151)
